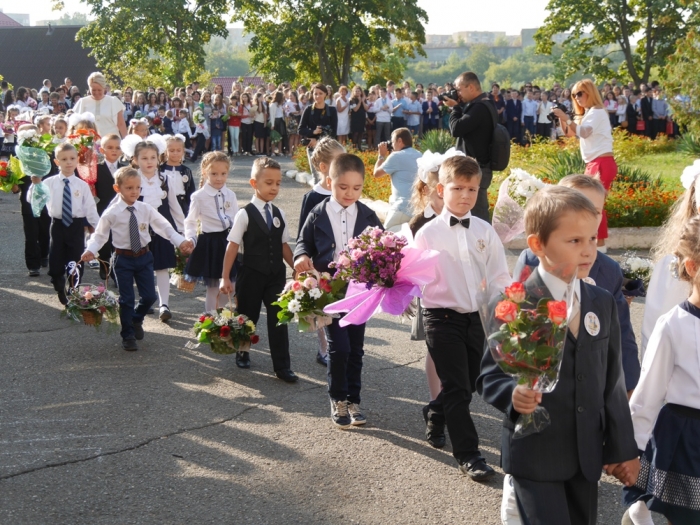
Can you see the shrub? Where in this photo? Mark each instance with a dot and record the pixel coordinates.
(689, 143)
(436, 140)
(632, 204)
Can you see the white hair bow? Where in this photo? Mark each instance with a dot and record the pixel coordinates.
(431, 162)
(177, 136)
(690, 173)
(128, 144)
(76, 118)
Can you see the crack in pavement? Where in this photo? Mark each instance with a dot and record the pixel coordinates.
(399, 365)
(148, 441)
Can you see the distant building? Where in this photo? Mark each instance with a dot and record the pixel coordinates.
(21, 18)
(6, 21)
(528, 37)
(478, 37)
(438, 40)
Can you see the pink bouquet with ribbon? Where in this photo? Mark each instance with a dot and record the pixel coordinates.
(384, 275)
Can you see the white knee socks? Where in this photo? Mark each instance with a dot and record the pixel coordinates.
(640, 514)
(163, 286)
(211, 303)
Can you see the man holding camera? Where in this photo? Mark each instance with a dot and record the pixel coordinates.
(402, 166)
(472, 125)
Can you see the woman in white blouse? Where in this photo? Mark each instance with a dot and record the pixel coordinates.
(592, 126)
(108, 110)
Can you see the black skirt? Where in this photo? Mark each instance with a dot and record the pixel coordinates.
(163, 252)
(260, 130)
(207, 259)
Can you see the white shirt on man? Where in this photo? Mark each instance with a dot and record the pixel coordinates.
(214, 209)
(342, 222)
(82, 201)
(466, 256)
(241, 220)
(117, 219)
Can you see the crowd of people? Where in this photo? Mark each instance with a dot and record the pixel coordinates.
(143, 203)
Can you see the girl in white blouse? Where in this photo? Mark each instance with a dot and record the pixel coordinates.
(665, 405)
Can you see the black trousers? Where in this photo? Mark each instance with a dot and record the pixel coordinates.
(570, 502)
(246, 138)
(36, 238)
(456, 342)
(397, 122)
(345, 351)
(253, 289)
(67, 244)
(481, 207)
(105, 254)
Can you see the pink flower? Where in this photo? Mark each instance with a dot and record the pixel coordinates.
(356, 254)
(310, 283)
(516, 292)
(241, 320)
(296, 286)
(389, 241)
(100, 289)
(343, 261)
(88, 295)
(376, 233)
(506, 311)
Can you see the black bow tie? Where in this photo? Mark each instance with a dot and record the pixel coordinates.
(463, 222)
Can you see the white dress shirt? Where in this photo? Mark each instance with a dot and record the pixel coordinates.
(240, 223)
(559, 290)
(153, 194)
(116, 219)
(383, 115)
(670, 371)
(214, 209)
(82, 201)
(467, 255)
(112, 166)
(342, 222)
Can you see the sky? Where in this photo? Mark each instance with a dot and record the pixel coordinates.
(444, 16)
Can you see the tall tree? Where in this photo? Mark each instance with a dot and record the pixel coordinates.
(329, 40)
(599, 28)
(165, 39)
(683, 81)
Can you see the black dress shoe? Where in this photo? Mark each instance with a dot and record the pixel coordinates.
(62, 297)
(138, 331)
(34, 273)
(129, 344)
(434, 427)
(287, 375)
(45, 262)
(243, 359)
(477, 469)
(150, 311)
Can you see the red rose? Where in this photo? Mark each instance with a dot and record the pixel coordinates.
(516, 292)
(254, 339)
(3, 173)
(525, 273)
(506, 311)
(202, 318)
(225, 331)
(556, 311)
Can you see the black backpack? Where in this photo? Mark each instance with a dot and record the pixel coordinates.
(500, 140)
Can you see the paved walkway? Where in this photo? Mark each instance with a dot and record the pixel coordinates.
(90, 434)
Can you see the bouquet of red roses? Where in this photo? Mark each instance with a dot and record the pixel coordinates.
(85, 141)
(525, 333)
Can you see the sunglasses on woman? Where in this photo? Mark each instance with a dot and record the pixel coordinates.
(579, 94)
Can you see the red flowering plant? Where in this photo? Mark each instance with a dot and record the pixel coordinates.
(10, 174)
(525, 333)
(225, 331)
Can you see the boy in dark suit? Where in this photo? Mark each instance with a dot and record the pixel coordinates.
(514, 112)
(326, 232)
(104, 187)
(606, 273)
(259, 234)
(556, 471)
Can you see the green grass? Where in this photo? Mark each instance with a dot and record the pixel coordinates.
(668, 166)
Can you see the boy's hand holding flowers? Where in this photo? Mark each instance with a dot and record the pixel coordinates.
(303, 264)
(525, 400)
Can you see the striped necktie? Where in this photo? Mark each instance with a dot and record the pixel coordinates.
(67, 207)
(134, 236)
(268, 215)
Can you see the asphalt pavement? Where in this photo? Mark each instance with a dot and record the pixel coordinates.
(91, 434)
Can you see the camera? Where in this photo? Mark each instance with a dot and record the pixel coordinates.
(451, 94)
(389, 146)
(551, 117)
(325, 131)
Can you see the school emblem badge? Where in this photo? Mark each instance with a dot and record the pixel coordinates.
(276, 222)
(227, 205)
(185, 179)
(142, 226)
(481, 245)
(588, 280)
(592, 324)
(77, 193)
(164, 195)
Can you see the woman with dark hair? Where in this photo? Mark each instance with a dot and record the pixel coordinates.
(318, 120)
(277, 123)
(163, 100)
(9, 99)
(23, 98)
(74, 99)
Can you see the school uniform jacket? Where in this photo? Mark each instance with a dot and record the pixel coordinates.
(514, 109)
(316, 236)
(590, 417)
(104, 187)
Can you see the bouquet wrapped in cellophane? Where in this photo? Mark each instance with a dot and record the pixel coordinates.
(509, 212)
(304, 299)
(525, 332)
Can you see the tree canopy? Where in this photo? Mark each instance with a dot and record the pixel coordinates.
(682, 83)
(306, 40)
(136, 39)
(601, 28)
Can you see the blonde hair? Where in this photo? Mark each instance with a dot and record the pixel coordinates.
(82, 124)
(325, 151)
(588, 87)
(111, 136)
(419, 197)
(688, 249)
(207, 160)
(545, 208)
(135, 124)
(261, 164)
(583, 182)
(458, 167)
(97, 78)
(682, 212)
(64, 146)
(124, 173)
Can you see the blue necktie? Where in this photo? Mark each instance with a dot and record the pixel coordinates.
(268, 216)
(134, 236)
(67, 207)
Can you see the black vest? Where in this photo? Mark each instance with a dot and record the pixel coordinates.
(262, 247)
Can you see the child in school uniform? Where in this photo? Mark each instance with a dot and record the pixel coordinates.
(666, 404)
(130, 221)
(326, 232)
(214, 206)
(259, 240)
(605, 272)
(323, 154)
(157, 190)
(70, 201)
(453, 330)
(555, 472)
(181, 175)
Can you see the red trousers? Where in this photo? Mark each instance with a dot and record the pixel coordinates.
(605, 169)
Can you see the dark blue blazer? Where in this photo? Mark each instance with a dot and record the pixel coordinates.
(591, 425)
(513, 109)
(308, 203)
(316, 237)
(607, 274)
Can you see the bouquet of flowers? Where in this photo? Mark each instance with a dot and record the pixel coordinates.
(226, 331)
(304, 299)
(384, 274)
(177, 274)
(92, 304)
(10, 174)
(31, 139)
(514, 193)
(525, 333)
(637, 274)
(85, 141)
(198, 117)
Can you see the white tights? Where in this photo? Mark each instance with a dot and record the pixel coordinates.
(211, 302)
(163, 286)
(640, 514)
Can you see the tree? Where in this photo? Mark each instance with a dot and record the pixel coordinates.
(302, 40)
(596, 25)
(683, 82)
(72, 19)
(133, 38)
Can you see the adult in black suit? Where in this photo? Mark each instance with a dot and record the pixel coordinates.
(648, 114)
(104, 191)
(556, 471)
(514, 114)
